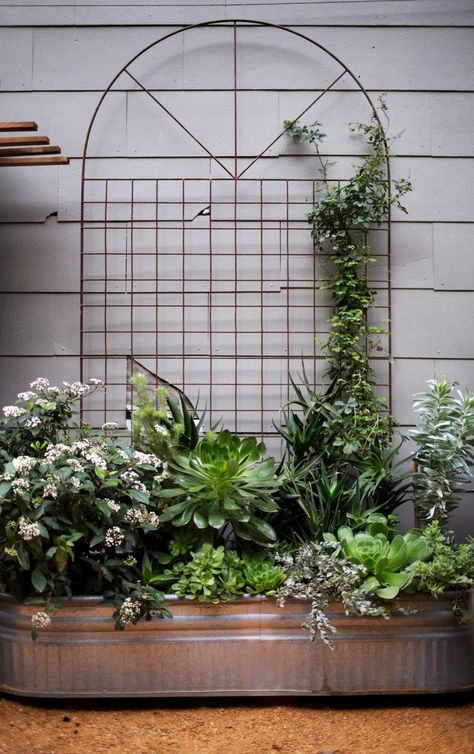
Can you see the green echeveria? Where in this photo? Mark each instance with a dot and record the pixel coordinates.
(387, 562)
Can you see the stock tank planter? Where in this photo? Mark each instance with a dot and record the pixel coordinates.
(246, 647)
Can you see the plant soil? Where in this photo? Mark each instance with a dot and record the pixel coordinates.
(344, 725)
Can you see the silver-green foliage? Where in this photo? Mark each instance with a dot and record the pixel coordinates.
(314, 573)
(445, 452)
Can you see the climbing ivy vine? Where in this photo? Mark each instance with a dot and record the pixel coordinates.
(340, 219)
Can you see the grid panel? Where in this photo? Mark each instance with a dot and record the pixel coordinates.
(219, 298)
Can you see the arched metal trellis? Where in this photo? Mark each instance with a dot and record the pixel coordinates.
(197, 262)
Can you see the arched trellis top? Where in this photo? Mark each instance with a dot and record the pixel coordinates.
(230, 23)
(156, 294)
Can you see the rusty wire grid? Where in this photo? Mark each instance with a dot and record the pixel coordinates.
(199, 270)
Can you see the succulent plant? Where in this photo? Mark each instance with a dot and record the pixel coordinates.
(386, 561)
(261, 575)
(223, 481)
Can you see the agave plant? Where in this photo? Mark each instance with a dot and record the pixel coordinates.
(223, 481)
(382, 481)
(386, 561)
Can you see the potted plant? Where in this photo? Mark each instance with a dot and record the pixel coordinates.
(91, 527)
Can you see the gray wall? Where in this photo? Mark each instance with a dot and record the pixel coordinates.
(56, 58)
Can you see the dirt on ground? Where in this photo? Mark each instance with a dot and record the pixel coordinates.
(344, 725)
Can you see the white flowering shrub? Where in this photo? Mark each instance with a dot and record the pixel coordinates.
(79, 514)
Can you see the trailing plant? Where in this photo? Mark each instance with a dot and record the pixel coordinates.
(341, 218)
(445, 449)
(364, 571)
(224, 482)
(338, 440)
(314, 574)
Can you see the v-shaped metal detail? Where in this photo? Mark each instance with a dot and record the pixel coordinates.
(208, 151)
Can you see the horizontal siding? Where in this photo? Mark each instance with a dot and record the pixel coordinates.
(437, 59)
(39, 324)
(352, 12)
(40, 257)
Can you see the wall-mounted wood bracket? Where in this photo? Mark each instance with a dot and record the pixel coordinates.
(27, 150)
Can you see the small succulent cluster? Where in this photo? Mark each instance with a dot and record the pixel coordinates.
(218, 575)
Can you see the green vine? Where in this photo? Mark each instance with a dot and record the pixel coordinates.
(340, 220)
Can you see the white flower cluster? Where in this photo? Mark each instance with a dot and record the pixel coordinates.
(95, 381)
(75, 465)
(133, 516)
(40, 620)
(24, 464)
(75, 390)
(18, 485)
(114, 537)
(141, 515)
(33, 421)
(146, 458)
(81, 446)
(90, 451)
(130, 611)
(6, 477)
(40, 383)
(131, 479)
(27, 529)
(110, 427)
(27, 396)
(53, 452)
(150, 518)
(75, 482)
(13, 411)
(161, 430)
(50, 490)
(95, 459)
(114, 507)
(11, 551)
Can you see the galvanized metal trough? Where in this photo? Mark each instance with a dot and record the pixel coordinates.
(249, 647)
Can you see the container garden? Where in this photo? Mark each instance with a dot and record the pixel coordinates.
(247, 647)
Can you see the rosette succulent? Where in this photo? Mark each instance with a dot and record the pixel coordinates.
(387, 562)
(224, 481)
